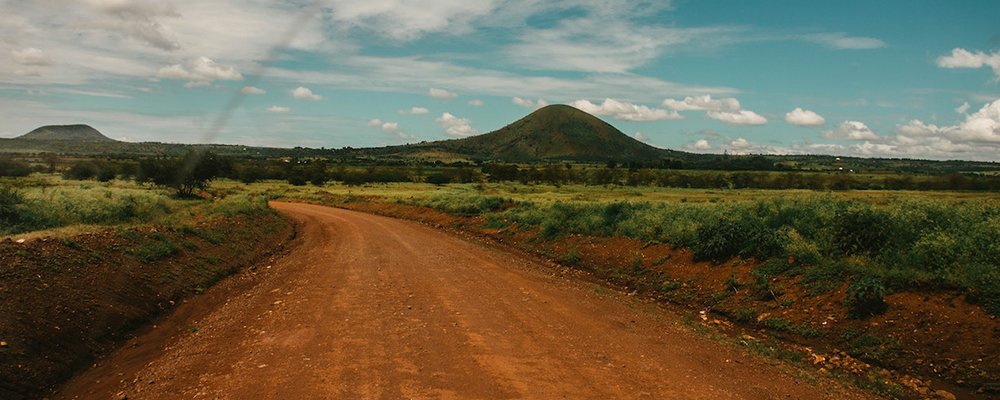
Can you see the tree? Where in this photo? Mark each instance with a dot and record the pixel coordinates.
(191, 172)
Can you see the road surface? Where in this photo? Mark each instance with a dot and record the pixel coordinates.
(370, 307)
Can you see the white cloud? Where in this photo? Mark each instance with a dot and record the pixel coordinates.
(700, 144)
(640, 137)
(30, 56)
(476, 103)
(625, 111)
(962, 109)
(702, 103)
(200, 72)
(740, 117)
(278, 109)
(528, 103)
(441, 94)
(303, 93)
(842, 41)
(252, 90)
(962, 58)
(738, 144)
(455, 126)
(390, 127)
(375, 122)
(851, 130)
(806, 118)
(523, 102)
(983, 126)
(415, 110)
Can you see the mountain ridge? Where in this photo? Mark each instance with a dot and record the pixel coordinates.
(71, 133)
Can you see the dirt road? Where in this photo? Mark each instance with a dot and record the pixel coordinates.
(365, 306)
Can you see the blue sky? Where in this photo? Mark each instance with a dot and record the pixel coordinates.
(887, 78)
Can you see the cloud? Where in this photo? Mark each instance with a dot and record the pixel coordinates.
(252, 90)
(738, 144)
(740, 117)
(625, 111)
(962, 109)
(528, 103)
(455, 126)
(476, 103)
(851, 130)
(31, 56)
(278, 109)
(200, 72)
(842, 41)
(702, 103)
(606, 39)
(699, 145)
(441, 94)
(303, 93)
(640, 137)
(375, 122)
(139, 20)
(390, 127)
(523, 102)
(415, 111)
(962, 58)
(983, 126)
(805, 118)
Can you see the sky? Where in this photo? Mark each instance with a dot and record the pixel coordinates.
(912, 79)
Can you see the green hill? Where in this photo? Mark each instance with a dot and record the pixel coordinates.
(71, 133)
(555, 132)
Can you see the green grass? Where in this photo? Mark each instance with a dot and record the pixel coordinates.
(45, 202)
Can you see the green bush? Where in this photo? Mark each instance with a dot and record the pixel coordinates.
(865, 297)
(10, 199)
(861, 230)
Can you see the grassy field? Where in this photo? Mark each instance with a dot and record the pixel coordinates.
(42, 205)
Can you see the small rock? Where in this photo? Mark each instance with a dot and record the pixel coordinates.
(3, 343)
(944, 394)
(20, 241)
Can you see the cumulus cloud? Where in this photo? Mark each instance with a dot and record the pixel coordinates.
(805, 118)
(702, 103)
(740, 117)
(983, 126)
(252, 90)
(278, 109)
(415, 110)
(700, 144)
(640, 137)
(842, 41)
(30, 56)
(200, 72)
(476, 103)
(625, 111)
(390, 127)
(374, 122)
(962, 58)
(441, 94)
(303, 93)
(455, 126)
(962, 109)
(851, 130)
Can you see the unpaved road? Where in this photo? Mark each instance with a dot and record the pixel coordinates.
(365, 306)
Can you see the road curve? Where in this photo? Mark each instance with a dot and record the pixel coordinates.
(371, 307)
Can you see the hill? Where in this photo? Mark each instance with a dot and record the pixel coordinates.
(72, 133)
(555, 132)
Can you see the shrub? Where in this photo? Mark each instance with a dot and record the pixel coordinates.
(861, 230)
(865, 297)
(726, 238)
(437, 179)
(10, 199)
(14, 168)
(81, 171)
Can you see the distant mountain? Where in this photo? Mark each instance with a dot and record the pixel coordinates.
(72, 133)
(555, 132)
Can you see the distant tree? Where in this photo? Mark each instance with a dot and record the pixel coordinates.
(81, 171)
(438, 179)
(105, 174)
(191, 172)
(14, 168)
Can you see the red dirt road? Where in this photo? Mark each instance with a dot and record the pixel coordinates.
(365, 306)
